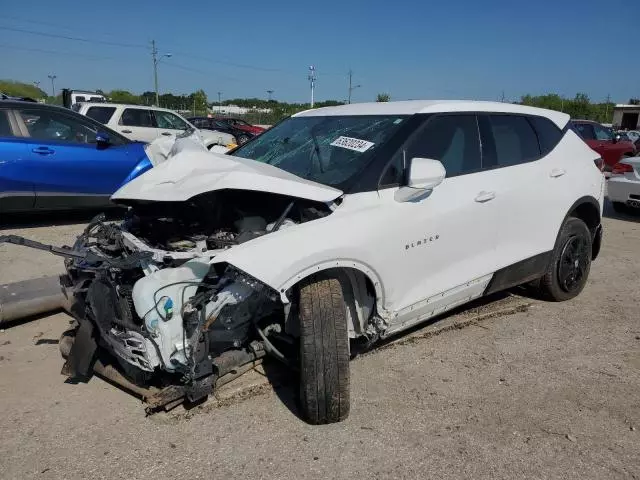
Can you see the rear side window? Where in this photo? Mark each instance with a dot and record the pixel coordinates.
(585, 130)
(101, 114)
(511, 141)
(452, 139)
(549, 135)
(137, 117)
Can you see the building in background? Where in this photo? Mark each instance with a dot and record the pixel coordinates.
(626, 117)
(236, 110)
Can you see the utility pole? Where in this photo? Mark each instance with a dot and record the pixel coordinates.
(502, 96)
(269, 92)
(219, 102)
(156, 61)
(606, 112)
(312, 81)
(53, 86)
(351, 88)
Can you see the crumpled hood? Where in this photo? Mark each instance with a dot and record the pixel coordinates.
(190, 172)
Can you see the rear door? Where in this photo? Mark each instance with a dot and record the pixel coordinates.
(138, 124)
(67, 167)
(169, 123)
(16, 186)
(529, 181)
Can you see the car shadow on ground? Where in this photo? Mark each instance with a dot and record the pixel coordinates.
(52, 219)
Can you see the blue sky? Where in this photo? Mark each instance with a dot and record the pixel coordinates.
(472, 49)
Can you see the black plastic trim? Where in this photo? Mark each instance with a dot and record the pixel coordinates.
(521, 272)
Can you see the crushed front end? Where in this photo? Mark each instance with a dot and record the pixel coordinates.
(148, 300)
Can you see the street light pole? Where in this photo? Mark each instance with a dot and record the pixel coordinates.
(270, 92)
(53, 86)
(156, 60)
(219, 102)
(312, 81)
(351, 88)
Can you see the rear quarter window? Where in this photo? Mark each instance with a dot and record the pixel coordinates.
(549, 135)
(101, 114)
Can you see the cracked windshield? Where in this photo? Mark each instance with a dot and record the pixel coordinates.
(328, 150)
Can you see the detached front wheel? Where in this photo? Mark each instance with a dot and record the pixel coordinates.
(324, 351)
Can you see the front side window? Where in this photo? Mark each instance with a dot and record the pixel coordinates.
(170, 121)
(101, 114)
(514, 141)
(137, 117)
(330, 150)
(603, 134)
(452, 139)
(55, 126)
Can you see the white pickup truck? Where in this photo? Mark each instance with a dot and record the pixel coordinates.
(146, 124)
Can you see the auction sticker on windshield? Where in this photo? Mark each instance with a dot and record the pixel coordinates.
(354, 144)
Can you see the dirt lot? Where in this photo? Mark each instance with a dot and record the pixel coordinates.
(549, 392)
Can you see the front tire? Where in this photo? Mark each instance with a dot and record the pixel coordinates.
(570, 264)
(324, 351)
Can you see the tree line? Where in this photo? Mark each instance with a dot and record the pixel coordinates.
(197, 102)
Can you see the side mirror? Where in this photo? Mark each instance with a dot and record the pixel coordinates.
(102, 139)
(425, 174)
(617, 137)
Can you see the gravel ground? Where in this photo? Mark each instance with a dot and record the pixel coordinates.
(550, 392)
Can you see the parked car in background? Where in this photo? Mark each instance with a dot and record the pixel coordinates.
(145, 124)
(633, 135)
(610, 146)
(241, 125)
(210, 123)
(623, 188)
(52, 159)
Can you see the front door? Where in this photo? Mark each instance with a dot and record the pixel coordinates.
(66, 165)
(439, 250)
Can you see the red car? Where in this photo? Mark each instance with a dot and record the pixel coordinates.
(241, 125)
(602, 139)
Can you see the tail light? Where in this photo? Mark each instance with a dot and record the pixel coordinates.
(621, 169)
(599, 163)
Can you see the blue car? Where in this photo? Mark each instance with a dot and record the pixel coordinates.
(52, 158)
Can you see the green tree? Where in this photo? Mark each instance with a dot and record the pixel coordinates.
(20, 89)
(124, 96)
(383, 97)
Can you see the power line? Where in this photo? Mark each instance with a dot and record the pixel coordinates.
(54, 52)
(77, 39)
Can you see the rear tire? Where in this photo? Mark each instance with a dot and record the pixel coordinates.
(242, 139)
(324, 351)
(570, 264)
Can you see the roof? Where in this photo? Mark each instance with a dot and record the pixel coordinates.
(411, 107)
(125, 105)
(627, 106)
(18, 103)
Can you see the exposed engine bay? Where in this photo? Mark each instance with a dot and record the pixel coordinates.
(147, 293)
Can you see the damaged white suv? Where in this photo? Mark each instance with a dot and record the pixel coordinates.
(339, 226)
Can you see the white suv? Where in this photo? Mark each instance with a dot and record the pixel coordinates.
(342, 223)
(145, 124)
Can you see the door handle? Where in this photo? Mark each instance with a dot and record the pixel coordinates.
(126, 131)
(557, 172)
(166, 134)
(485, 196)
(43, 151)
